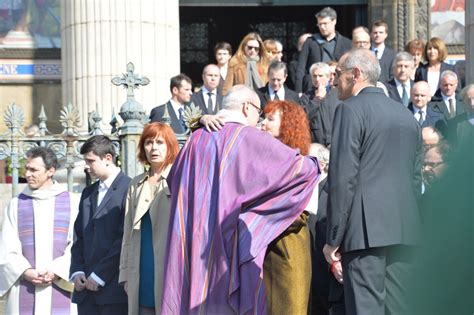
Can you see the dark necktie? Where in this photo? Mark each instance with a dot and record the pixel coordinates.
(210, 105)
(404, 95)
(276, 98)
(452, 112)
(420, 118)
(376, 52)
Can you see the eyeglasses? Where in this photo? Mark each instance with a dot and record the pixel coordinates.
(259, 110)
(256, 48)
(340, 72)
(432, 165)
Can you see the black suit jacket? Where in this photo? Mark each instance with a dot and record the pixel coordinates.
(312, 53)
(198, 99)
(438, 103)
(264, 95)
(385, 62)
(432, 115)
(320, 115)
(393, 92)
(421, 73)
(157, 113)
(374, 174)
(98, 240)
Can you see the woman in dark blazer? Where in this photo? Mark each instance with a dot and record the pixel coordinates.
(435, 53)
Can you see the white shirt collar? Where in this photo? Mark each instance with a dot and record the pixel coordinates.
(176, 106)
(280, 92)
(108, 182)
(205, 91)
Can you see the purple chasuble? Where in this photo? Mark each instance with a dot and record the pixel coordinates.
(233, 192)
(61, 300)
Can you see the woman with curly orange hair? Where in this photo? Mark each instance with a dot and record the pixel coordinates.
(287, 264)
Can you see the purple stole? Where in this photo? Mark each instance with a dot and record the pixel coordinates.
(61, 300)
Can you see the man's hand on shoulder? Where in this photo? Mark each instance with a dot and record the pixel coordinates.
(212, 122)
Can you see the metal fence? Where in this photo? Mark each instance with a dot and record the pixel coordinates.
(15, 142)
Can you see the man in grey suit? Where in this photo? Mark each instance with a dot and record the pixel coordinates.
(384, 54)
(374, 181)
(181, 91)
(276, 89)
(399, 88)
(208, 99)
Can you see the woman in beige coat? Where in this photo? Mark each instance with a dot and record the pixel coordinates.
(249, 65)
(147, 212)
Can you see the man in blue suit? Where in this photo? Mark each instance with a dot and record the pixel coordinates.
(95, 254)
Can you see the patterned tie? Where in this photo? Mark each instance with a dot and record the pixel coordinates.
(181, 118)
(452, 112)
(210, 105)
(404, 95)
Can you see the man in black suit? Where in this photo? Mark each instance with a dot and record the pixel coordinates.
(208, 98)
(374, 181)
(276, 89)
(400, 86)
(324, 46)
(447, 98)
(293, 64)
(95, 254)
(384, 54)
(320, 103)
(181, 91)
(424, 114)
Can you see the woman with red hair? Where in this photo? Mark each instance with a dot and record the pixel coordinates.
(287, 264)
(147, 212)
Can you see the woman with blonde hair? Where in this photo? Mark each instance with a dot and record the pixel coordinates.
(147, 212)
(249, 64)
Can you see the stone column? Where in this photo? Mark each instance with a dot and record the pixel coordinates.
(99, 38)
(469, 42)
(406, 19)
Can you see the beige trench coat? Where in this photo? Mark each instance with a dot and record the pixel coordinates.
(137, 204)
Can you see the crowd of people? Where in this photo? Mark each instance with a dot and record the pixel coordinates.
(303, 191)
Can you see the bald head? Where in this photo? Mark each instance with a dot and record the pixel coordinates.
(360, 38)
(420, 94)
(430, 136)
(301, 40)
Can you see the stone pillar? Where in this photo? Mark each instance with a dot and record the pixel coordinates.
(99, 37)
(469, 42)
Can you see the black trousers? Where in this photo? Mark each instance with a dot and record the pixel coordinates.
(89, 307)
(375, 279)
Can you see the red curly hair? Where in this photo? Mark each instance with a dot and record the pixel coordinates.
(294, 128)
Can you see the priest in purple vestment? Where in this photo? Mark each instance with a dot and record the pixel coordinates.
(232, 193)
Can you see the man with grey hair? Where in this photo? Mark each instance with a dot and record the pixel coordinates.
(233, 192)
(460, 127)
(276, 89)
(324, 46)
(399, 87)
(320, 103)
(446, 97)
(372, 219)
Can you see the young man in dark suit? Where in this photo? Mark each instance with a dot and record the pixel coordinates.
(384, 54)
(95, 254)
(208, 99)
(181, 91)
(374, 181)
(276, 89)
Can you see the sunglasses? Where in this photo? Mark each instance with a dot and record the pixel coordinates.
(256, 48)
